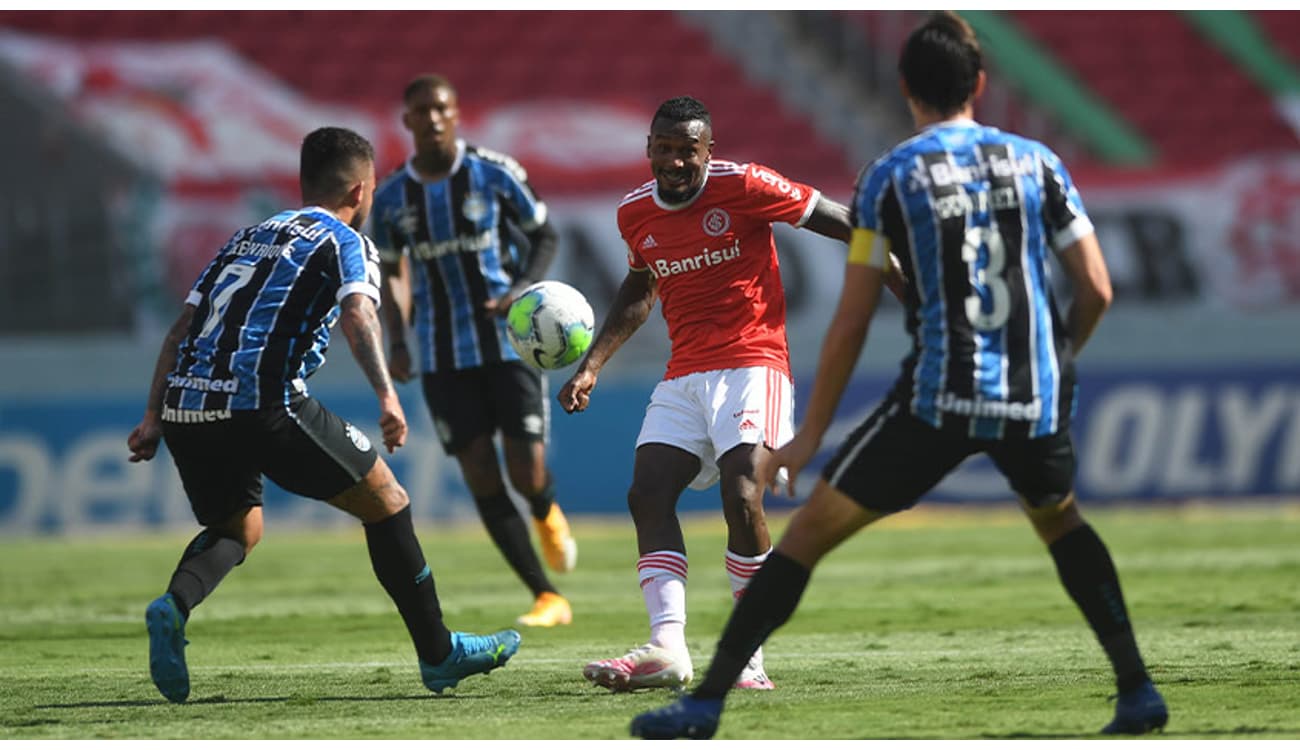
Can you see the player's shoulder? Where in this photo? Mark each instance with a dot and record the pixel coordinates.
(391, 187)
(495, 161)
(638, 200)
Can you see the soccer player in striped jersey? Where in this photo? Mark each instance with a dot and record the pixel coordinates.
(973, 214)
(699, 237)
(445, 223)
(229, 395)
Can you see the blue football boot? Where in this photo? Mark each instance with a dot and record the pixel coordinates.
(688, 716)
(1138, 711)
(470, 654)
(167, 648)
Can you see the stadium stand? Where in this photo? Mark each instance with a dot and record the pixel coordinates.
(637, 58)
(1179, 90)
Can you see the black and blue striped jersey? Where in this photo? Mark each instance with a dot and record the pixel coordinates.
(971, 212)
(457, 235)
(264, 309)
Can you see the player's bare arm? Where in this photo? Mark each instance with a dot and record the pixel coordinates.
(632, 305)
(360, 323)
(839, 355)
(830, 219)
(1086, 266)
(542, 243)
(395, 298)
(144, 439)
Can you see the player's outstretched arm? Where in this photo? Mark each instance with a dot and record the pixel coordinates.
(144, 439)
(1086, 266)
(830, 219)
(632, 305)
(360, 323)
(840, 349)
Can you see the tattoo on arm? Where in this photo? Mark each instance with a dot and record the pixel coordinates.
(365, 335)
(167, 359)
(632, 305)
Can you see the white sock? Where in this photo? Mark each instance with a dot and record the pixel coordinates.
(662, 575)
(739, 570)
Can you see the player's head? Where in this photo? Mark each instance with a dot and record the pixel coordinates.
(431, 112)
(942, 66)
(337, 171)
(679, 146)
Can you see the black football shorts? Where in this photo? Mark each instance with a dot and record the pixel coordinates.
(505, 396)
(303, 447)
(892, 459)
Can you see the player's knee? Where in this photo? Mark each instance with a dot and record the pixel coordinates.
(742, 505)
(647, 506)
(495, 506)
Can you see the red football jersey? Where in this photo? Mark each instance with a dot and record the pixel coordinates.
(715, 262)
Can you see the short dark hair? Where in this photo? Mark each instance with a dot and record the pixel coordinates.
(941, 62)
(330, 158)
(427, 80)
(682, 109)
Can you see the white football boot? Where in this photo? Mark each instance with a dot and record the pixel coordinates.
(647, 666)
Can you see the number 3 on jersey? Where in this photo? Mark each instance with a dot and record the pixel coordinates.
(234, 276)
(989, 277)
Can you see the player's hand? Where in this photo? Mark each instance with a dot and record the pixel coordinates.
(144, 440)
(792, 456)
(399, 365)
(392, 420)
(576, 393)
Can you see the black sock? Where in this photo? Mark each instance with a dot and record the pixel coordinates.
(510, 534)
(770, 599)
(206, 561)
(400, 567)
(540, 504)
(1086, 569)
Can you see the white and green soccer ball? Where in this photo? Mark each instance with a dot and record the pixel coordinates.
(550, 325)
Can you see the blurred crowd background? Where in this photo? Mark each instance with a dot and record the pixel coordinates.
(135, 142)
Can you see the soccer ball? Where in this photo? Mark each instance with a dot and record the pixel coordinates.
(550, 325)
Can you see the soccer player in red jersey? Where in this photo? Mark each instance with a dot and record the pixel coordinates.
(699, 239)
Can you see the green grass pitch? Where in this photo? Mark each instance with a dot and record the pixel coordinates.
(936, 625)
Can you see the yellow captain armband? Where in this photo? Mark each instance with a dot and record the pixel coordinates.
(866, 248)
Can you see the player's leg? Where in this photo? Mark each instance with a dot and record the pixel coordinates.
(884, 466)
(224, 487)
(461, 404)
(523, 416)
(659, 475)
(1041, 471)
(751, 409)
(312, 452)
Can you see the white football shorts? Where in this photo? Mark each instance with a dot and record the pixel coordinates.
(709, 413)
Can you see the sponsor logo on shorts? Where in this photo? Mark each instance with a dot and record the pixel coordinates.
(533, 424)
(194, 416)
(743, 412)
(444, 430)
(358, 439)
(748, 424)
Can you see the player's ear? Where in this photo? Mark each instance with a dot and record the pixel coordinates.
(355, 194)
(980, 81)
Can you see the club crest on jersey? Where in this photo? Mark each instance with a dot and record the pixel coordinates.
(358, 439)
(716, 222)
(474, 207)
